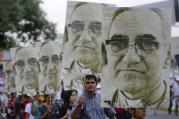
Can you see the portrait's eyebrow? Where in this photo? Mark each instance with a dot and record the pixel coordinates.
(146, 37)
(32, 59)
(55, 56)
(20, 61)
(76, 22)
(44, 57)
(96, 22)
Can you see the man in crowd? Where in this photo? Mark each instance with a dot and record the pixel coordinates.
(89, 103)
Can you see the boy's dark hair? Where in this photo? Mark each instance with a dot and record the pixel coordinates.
(89, 77)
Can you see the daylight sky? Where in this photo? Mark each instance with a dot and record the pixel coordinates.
(56, 9)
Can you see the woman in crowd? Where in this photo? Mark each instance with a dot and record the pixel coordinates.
(70, 101)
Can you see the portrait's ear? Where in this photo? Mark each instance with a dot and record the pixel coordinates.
(14, 70)
(65, 39)
(104, 55)
(38, 66)
(168, 57)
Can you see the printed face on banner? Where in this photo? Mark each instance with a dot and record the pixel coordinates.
(84, 28)
(27, 69)
(9, 77)
(50, 65)
(84, 33)
(137, 53)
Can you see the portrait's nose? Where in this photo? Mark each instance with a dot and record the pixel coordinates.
(131, 57)
(51, 67)
(27, 69)
(85, 36)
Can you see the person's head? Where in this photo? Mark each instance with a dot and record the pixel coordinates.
(70, 97)
(9, 76)
(50, 63)
(90, 83)
(138, 113)
(84, 33)
(27, 67)
(137, 49)
(13, 95)
(177, 79)
(48, 98)
(40, 99)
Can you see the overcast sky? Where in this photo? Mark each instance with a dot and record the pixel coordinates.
(56, 9)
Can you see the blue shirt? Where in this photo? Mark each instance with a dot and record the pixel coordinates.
(92, 108)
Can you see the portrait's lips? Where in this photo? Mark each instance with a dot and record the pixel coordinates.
(133, 70)
(51, 74)
(29, 87)
(28, 76)
(87, 47)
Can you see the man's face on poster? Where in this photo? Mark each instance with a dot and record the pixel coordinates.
(84, 33)
(50, 64)
(136, 50)
(27, 68)
(9, 76)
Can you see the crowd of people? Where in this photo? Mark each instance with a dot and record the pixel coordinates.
(66, 106)
(174, 96)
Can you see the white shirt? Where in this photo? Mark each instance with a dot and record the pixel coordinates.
(28, 110)
(175, 89)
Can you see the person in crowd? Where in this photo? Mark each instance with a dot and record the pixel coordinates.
(18, 106)
(45, 108)
(88, 106)
(23, 103)
(11, 107)
(175, 94)
(170, 100)
(122, 113)
(70, 101)
(28, 107)
(136, 53)
(137, 113)
(3, 104)
(38, 100)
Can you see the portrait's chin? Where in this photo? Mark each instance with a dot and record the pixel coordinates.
(29, 77)
(84, 51)
(51, 77)
(85, 57)
(51, 86)
(130, 81)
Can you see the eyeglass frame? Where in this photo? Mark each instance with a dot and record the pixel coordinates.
(136, 45)
(90, 29)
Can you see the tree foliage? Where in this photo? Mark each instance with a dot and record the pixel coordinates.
(23, 21)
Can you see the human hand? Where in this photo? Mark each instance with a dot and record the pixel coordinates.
(81, 102)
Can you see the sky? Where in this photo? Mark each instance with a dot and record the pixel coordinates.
(56, 9)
